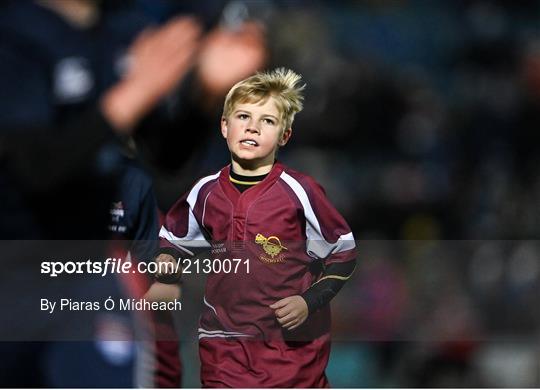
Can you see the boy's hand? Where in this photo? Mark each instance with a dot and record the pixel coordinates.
(166, 268)
(291, 312)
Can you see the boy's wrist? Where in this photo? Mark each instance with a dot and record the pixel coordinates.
(310, 296)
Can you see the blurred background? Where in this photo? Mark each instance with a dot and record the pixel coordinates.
(420, 121)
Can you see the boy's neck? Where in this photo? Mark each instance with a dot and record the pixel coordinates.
(251, 171)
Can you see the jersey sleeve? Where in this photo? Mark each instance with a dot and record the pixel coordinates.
(328, 235)
(181, 231)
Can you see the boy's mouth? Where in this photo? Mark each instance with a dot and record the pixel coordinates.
(249, 142)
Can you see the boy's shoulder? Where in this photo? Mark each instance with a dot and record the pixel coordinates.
(211, 177)
(294, 178)
(203, 184)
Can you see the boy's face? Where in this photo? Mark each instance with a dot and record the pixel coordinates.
(253, 132)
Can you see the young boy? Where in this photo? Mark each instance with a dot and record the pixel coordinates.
(267, 320)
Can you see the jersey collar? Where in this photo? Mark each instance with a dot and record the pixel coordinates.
(239, 199)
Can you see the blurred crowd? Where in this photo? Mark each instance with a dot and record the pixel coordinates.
(420, 122)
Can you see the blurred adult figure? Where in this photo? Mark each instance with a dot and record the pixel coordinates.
(78, 78)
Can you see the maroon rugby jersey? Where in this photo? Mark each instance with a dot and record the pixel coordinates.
(279, 229)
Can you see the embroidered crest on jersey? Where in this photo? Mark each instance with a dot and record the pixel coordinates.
(272, 247)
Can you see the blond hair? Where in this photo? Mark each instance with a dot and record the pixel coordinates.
(282, 84)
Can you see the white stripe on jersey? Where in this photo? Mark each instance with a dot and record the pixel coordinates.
(201, 330)
(209, 305)
(197, 243)
(194, 193)
(220, 333)
(316, 245)
(194, 238)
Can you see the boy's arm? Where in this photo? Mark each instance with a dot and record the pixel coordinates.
(331, 281)
(329, 238)
(335, 245)
(181, 236)
(292, 311)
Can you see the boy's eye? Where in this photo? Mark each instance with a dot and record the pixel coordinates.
(269, 121)
(242, 116)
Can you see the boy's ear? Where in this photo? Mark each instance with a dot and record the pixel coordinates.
(224, 128)
(285, 136)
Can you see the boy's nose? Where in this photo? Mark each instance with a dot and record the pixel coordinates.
(251, 128)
